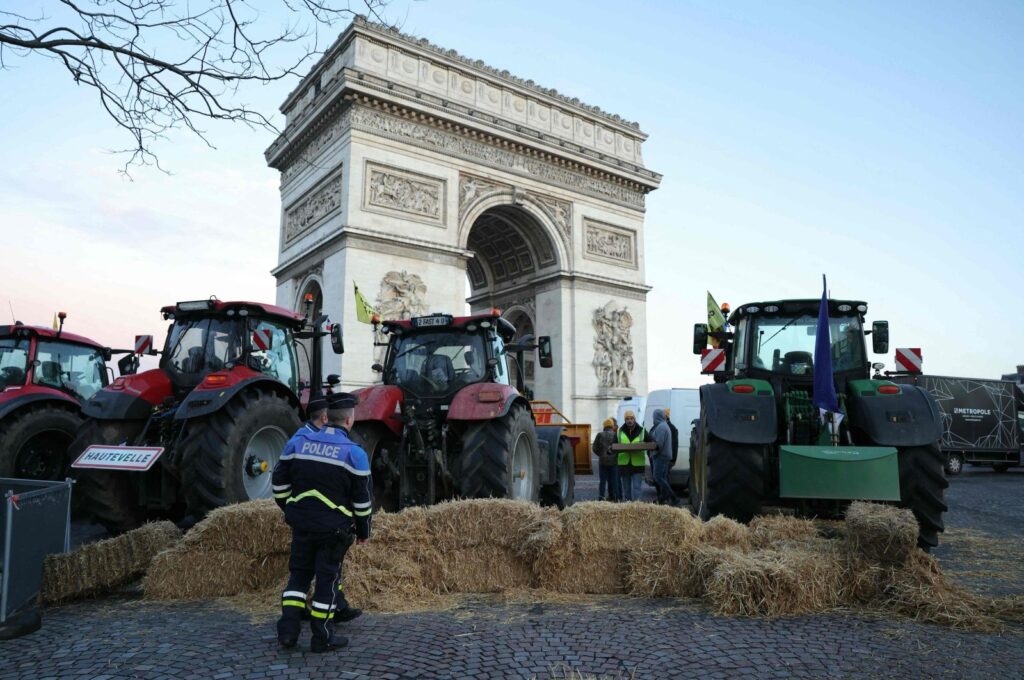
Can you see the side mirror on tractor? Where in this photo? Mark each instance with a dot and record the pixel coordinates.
(700, 337)
(337, 343)
(128, 364)
(880, 337)
(544, 351)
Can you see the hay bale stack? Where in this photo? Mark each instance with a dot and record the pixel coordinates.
(722, 532)
(255, 528)
(769, 530)
(184, 573)
(379, 578)
(772, 583)
(592, 551)
(99, 567)
(883, 534)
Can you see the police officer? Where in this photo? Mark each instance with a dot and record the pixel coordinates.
(322, 482)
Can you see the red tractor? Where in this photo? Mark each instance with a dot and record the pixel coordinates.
(447, 422)
(45, 375)
(204, 429)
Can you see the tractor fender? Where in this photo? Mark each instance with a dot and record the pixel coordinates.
(910, 418)
(202, 401)
(380, 403)
(748, 418)
(130, 397)
(484, 401)
(15, 400)
(551, 435)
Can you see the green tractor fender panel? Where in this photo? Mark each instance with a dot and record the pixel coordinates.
(742, 417)
(909, 417)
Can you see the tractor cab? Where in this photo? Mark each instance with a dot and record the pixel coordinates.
(35, 357)
(209, 336)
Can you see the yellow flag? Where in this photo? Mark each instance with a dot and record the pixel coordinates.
(716, 321)
(56, 326)
(364, 311)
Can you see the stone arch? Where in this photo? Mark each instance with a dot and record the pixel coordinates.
(310, 284)
(529, 206)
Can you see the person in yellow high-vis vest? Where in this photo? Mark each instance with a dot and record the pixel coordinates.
(632, 463)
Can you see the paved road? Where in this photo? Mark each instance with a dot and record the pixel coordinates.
(608, 637)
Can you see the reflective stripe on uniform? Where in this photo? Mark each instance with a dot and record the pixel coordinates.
(283, 494)
(634, 458)
(359, 506)
(324, 459)
(281, 487)
(294, 603)
(363, 513)
(318, 614)
(293, 594)
(313, 493)
(322, 606)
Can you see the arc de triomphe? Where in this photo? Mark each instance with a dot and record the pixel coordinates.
(406, 167)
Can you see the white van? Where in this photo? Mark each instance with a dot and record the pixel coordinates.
(634, 404)
(685, 408)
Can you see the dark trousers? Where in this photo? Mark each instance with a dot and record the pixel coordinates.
(609, 480)
(659, 470)
(314, 555)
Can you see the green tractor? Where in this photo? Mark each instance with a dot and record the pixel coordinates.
(761, 441)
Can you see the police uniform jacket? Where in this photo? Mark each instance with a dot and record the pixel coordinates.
(322, 482)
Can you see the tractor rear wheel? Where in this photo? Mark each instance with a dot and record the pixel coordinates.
(380, 444)
(499, 458)
(730, 478)
(229, 456)
(921, 489)
(111, 498)
(34, 443)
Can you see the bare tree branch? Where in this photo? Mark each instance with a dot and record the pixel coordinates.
(161, 65)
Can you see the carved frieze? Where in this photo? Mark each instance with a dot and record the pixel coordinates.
(467, 148)
(559, 211)
(408, 194)
(315, 206)
(472, 189)
(613, 346)
(609, 243)
(331, 132)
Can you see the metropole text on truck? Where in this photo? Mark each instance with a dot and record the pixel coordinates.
(982, 420)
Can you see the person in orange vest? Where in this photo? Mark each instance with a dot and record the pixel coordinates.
(632, 463)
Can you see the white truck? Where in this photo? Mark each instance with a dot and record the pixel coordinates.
(685, 409)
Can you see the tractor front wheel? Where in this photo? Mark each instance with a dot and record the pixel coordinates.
(499, 458)
(34, 443)
(726, 478)
(229, 456)
(111, 498)
(380, 445)
(921, 489)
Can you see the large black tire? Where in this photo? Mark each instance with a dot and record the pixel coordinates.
(110, 498)
(922, 484)
(499, 458)
(563, 492)
(375, 439)
(229, 456)
(34, 443)
(731, 478)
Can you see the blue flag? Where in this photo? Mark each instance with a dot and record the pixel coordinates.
(824, 387)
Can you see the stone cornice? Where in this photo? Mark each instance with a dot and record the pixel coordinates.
(423, 47)
(580, 281)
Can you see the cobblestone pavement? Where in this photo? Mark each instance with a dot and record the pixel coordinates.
(610, 637)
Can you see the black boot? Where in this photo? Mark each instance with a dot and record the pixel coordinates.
(347, 614)
(320, 645)
(288, 626)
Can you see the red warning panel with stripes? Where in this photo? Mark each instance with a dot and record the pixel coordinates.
(712, 360)
(261, 338)
(908, 359)
(143, 343)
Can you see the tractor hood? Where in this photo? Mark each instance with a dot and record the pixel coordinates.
(130, 397)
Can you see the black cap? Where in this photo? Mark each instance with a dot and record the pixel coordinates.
(317, 402)
(340, 400)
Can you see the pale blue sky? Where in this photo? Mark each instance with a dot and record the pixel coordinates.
(879, 143)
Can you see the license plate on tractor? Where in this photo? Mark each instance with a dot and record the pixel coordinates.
(121, 458)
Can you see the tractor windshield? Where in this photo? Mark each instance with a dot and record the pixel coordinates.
(77, 369)
(434, 364)
(200, 345)
(13, 361)
(786, 344)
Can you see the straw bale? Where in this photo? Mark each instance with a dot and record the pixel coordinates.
(865, 580)
(623, 526)
(523, 527)
(188, 574)
(663, 573)
(378, 578)
(269, 570)
(401, 529)
(882, 533)
(485, 569)
(722, 532)
(771, 583)
(769, 530)
(255, 528)
(99, 567)
(564, 568)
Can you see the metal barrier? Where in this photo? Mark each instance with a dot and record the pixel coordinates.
(36, 521)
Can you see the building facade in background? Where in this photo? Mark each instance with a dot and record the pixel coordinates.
(418, 175)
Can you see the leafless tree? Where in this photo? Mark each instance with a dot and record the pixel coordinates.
(158, 65)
